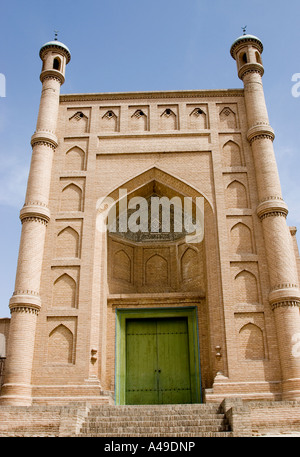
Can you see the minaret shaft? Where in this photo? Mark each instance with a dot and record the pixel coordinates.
(49, 104)
(255, 99)
(25, 302)
(284, 296)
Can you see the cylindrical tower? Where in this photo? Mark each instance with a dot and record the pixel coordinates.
(25, 302)
(284, 294)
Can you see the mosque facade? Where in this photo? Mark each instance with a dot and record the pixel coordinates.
(156, 265)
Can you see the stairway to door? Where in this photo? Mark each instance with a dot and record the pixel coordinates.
(197, 420)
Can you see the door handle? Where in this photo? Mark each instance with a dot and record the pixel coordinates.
(157, 371)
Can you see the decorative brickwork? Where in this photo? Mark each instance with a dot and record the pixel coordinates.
(239, 279)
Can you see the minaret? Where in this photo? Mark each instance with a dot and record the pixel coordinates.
(284, 296)
(25, 302)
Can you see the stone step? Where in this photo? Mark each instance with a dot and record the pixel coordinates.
(150, 412)
(149, 417)
(161, 435)
(154, 429)
(156, 422)
(136, 420)
(174, 407)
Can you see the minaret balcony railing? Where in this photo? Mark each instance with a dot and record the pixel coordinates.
(250, 68)
(52, 74)
(259, 131)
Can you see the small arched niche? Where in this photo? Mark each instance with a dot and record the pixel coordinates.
(241, 239)
(258, 57)
(189, 265)
(56, 63)
(246, 289)
(231, 154)
(139, 120)
(197, 119)
(60, 345)
(228, 118)
(109, 122)
(251, 342)
(64, 292)
(74, 159)
(236, 195)
(122, 266)
(78, 123)
(168, 120)
(71, 198)
(243, 58)
(156, 271)
(67, 243)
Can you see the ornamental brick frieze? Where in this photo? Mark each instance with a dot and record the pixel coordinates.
(36, 203)
(70, 98)
(250, 68)
(273, 214)
(24, 309)
(261, 137)
(286, 304)
(284, 286)
(244, 40)
(25, 299)
(44, 143)
(272, 207)
(52, 75)
(271, 197)
(48, 47)
(44, 138)
(40, 220)
(284, 295)
(38, 212)
(260, 131)
(26, 292)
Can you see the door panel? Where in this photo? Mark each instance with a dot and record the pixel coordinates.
(141, 361)
(173, 361)
(157, 361)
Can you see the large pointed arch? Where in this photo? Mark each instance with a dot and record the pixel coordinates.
(158, 175)
(151, 181)
(144, 290)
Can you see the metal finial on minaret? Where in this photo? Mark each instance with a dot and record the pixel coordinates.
(244, 29)
(55, 35)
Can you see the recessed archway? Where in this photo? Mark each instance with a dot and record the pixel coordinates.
(180, 285)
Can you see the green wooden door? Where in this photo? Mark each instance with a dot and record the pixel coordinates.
(157, 361)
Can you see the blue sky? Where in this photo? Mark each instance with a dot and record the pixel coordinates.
(130, 45)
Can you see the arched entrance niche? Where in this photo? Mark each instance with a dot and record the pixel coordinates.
(161, 274)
